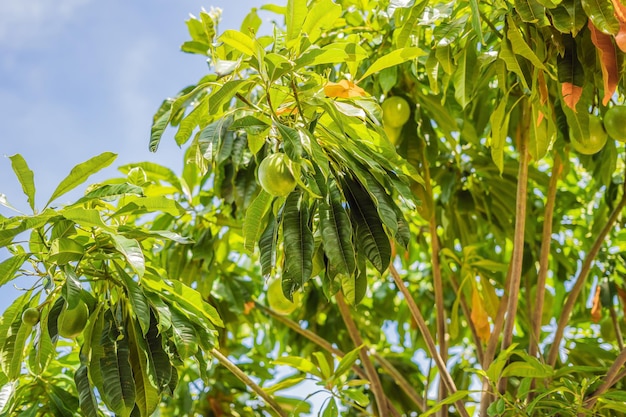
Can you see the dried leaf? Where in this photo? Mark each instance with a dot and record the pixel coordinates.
(248, 306)
(596, 309)
(287, 111)
(479, 317)
(620, 37)
(620, 10)
(571, 94)
(343, 89)
(608, 61)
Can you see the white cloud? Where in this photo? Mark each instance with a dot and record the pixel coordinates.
(26, 22)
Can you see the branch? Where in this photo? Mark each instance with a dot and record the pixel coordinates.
(375, 385)
(466, 311)
(518, 238)
(401, 381)
(445, 376)
(580, 281)
(249, 382)
(609, 380)
(544, 256)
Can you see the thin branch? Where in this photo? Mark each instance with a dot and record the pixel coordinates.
(401, 381)
(544, 256)
(437, 279)
(580, 281)
(249, 382)
(609, 380)
(375, 385)
(518, 238)
(618, 330)
(445, 376)
(467, 313)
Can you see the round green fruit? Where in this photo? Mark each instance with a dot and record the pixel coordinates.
(275, 176)
(396, 111)
(30, 316)
(615, 123)
(72, 322)
(277, 300)
(595, 141)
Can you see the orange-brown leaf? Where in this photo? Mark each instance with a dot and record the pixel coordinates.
(571, 94)
(479, 317)
(621, 293)
(343, 89)
(596, 308)
(608, 61)
(543, 88)
(247, 307)
(620, 37)
(287, 110)
(620, 10)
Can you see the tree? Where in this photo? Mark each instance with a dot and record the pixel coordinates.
(484, 233)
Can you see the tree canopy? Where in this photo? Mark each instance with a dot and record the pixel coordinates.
(417, 205)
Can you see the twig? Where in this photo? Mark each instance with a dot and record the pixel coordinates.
(444, 375)
(466, 311)
(401, 381)
(249, 382)
(375, 385)
(580, 281)
(618, 330)
(518, 238)
(609, 380)
(544, 256)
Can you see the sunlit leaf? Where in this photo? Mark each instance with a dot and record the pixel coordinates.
(25, 177)
(295, 16)
(393, 58)
(253, 221)
(132, 251)
(602, 14)
(322, 15)
(343, 89)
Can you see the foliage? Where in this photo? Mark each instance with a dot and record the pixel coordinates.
(478, 208)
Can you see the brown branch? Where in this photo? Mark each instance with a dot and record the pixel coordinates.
(249, 382)
(444, 375)
(618, 330)
(544, 256)
(518, 238)
(375, 385)
(437, 279)
(580, 281)
(609, 380)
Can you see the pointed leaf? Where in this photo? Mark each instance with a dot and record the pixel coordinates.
(602, 14)
(138, 301)
(267, 246)
(345, 364)
(253, 221)
(393, 58)
(519, 45)
(110, 191)
(238, 41)
(86, 398)
(532, 11)
(10, 266)
(337, 232)
(608, 61)
(147, 395)
(322, 15)
(81, 172)
(295, 16)
(569, 17)
(292, 140)
(298, 244)
(25, 177)
(132, 251)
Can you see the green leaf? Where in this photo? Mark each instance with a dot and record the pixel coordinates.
(301, 364)
(357, 396)
(532, 12)
(284, 384)
(184, 335)
(602, 14)
(132, 251)
(196, 116)
(225, 93)
(450, 399)
(267, 247)
(25, 177)
(108, 191)
(337, 232)
(138, 301)
(292, 141)
(322, 15)
(512, 64)
(85, 217)
(12, 349)
(393, 58)
(238, 41)
(519, 45)
(72, 288)
(10, 266)
(62, 401)
(345, 364)
(147, 394)
(254, 219)
(331, 409)
(81, 172)
(371, 238)
(464, 75)
(64, 250)
(160, 369)
(295, 16)
(354, 286)
(410, 24)
(298, 244)
(569, 17)
(118, 390)
(86, 398)
(499, 121)
(153, 204)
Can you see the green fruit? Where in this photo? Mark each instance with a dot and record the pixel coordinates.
(396, 111)
(72, 322)
(595, 141)
(30, 316)
(275, 176)
(393, 133)
(615, 123)
(277, 300)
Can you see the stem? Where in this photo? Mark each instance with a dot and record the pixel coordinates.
(249, 382)
(401, 381)
(618, 331)
(544, 256)
(609, 380)
(466, 311)
(580, 281)
(375, 385)
(445, 376)
(518, 238)
(437, 280)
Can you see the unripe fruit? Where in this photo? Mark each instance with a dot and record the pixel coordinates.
(30, 316)
(595, 141)
(277, 300)
(615, 123)
(72, 322)
(275, 176)
(396, 111)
